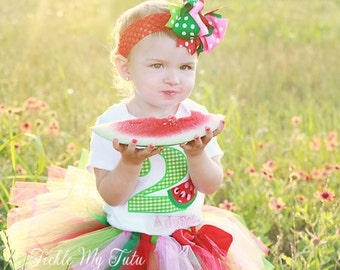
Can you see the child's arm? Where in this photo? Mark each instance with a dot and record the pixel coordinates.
(206, 173)
(117, 186)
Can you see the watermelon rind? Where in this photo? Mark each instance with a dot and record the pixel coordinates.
(182, 134)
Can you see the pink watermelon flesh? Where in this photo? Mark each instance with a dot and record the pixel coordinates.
(183, 195)
(159, 131)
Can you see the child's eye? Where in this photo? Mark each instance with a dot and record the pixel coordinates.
(157, 66)
(186, 67)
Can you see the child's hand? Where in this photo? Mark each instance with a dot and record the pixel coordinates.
(133, 155)
(196, 146)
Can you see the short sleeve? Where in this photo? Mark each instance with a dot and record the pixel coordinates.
(213, 149)
(102, 154)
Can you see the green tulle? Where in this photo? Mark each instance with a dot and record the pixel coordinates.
(100, 217)
(89, 243)
(267, 265)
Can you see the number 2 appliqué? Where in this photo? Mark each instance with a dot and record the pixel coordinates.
(176, 169)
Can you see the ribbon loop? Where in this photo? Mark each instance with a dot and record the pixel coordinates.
(210, 243)
(195, 31)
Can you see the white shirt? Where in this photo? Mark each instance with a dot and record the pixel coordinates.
(156, 206)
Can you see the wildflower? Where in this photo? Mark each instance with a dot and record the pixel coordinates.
(331, 141)
(325, 195)
(294, 176)
(325, 174)
(53, 114)
(315, 240)
(332, 136)
(26, 127)
(269, 165)
(315, 143)
(31, 104)
(276, 204)
(328, 167)
(39, 123)
(70, 148)
(301, 198)
(251, 171)
(315, 173)
(54, 128)
(43, 105)
(331, 146)
(260, 145)
(227, 206)
(304, 175)
(228, 173)
(21, 170)
(296, 120)
(336, 167)
(2, 108)
(291, 168)
(268, 174)
(319, 174)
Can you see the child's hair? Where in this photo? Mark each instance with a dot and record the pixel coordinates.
(139, 11)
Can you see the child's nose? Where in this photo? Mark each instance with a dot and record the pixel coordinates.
(171, 78)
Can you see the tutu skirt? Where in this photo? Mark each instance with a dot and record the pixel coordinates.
(60, 224)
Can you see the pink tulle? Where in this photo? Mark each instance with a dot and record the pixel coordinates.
(29, 198)
(171, 255)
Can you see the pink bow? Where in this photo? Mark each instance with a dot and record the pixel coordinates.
(207, 21)
(219, 27)
(207, 30)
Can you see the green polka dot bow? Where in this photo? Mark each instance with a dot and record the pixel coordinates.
(195, 31)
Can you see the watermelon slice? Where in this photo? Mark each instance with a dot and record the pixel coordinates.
(183, 195)
(159, 131)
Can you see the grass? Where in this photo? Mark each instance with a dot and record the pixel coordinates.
(275, 77)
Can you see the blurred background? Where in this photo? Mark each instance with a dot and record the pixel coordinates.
(276, 54)
(275, 77)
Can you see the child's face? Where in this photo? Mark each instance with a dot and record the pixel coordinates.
(162, 74)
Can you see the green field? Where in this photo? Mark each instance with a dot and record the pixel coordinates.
(275, 77)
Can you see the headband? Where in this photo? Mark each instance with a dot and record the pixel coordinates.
(195, 31)
(141, 28)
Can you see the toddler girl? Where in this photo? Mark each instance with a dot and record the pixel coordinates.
(144, 223)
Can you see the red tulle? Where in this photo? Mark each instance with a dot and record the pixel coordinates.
(143, 254)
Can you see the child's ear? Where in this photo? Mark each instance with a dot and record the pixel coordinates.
(122, 65)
